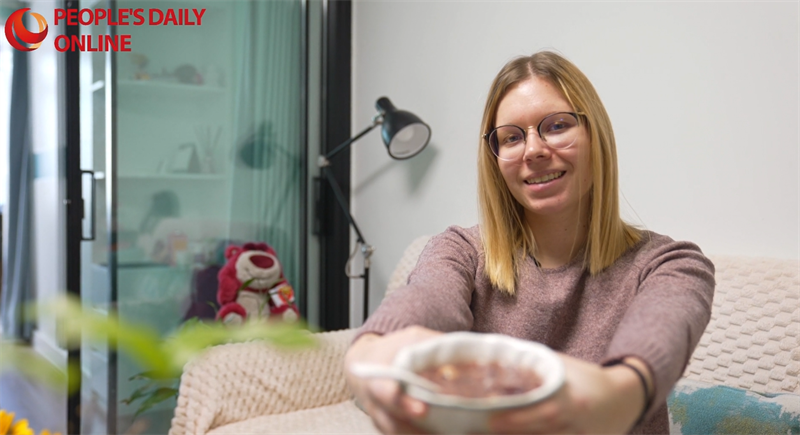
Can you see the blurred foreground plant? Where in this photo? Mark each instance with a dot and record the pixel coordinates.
(162, 359)
(20, 427)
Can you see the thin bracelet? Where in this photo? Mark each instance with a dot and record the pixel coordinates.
(644, 386)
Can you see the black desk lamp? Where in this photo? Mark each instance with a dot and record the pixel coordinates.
(404, 135)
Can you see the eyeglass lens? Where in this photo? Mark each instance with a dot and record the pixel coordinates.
(558, 130)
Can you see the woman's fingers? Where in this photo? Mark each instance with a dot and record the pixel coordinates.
(388, 423)
(390, 408)
(550, 416)
(382, 421)
(393, 424)
(592, 400)
(404, 427)
(390, 396)
(413, 407)
(385, 392)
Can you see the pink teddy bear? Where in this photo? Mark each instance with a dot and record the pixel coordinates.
(267, 293)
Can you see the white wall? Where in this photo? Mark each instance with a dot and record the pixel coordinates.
(703, 97)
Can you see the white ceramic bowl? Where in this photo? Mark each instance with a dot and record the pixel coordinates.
(456, 414)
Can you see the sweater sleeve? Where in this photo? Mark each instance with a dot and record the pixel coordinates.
(668, 315)
(439, 289)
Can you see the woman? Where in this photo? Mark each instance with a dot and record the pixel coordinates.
(552, 262)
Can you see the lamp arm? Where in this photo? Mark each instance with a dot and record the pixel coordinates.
(375, 122)
(365, 307)
(366, 249)
(337, 192)
(324, 165)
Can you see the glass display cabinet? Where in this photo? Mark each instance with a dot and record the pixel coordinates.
(191, 141)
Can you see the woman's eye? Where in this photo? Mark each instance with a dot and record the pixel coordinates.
(514, 138)
(558, 125)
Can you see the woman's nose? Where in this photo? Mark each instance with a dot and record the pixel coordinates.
(534, 145)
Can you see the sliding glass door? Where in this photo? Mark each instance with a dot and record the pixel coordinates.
(192, 141)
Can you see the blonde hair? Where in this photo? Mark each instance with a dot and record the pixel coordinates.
(505, 235)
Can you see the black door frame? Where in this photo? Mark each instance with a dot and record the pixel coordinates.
(336, 107)
(70, 133)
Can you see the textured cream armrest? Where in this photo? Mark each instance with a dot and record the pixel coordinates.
(235, 382)
(406, 264)
(752, 339)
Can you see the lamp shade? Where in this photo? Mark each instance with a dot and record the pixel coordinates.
(404, 134)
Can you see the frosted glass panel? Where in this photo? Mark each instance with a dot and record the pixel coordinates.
(207, 151)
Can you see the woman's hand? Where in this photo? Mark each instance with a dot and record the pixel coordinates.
(391, 410)
(593, 399)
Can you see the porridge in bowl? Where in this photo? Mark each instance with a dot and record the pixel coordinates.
(470, 379)
(479, 374)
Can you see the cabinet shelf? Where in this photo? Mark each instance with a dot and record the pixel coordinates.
(175, 176)
(159, 88)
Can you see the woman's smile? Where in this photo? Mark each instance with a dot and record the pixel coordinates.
(548, 179)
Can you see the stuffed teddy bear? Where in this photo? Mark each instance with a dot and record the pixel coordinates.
(267, 294)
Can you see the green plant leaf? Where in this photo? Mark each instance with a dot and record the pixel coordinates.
(187, 343)
(138, 394)
(162, 359)
(245, 285)
(149, 375)
(141, 342)
(190, 322)
(214, 306)
(155, 398)
(35, 367)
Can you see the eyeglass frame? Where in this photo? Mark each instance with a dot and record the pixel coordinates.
(576, 115)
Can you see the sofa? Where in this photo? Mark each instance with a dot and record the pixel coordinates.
(744, 377)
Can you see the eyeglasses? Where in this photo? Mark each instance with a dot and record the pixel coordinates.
(558, 131)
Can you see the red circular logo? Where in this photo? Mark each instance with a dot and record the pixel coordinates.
(16, 31)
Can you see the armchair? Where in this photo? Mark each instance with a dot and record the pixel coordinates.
(744, 377)
(253, 388)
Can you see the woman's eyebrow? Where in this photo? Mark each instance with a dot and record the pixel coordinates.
(538, 118)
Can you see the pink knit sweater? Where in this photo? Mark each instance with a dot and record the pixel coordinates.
(654, 302)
